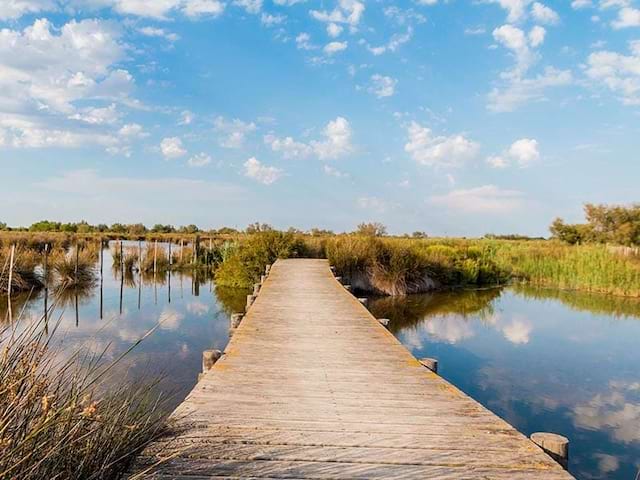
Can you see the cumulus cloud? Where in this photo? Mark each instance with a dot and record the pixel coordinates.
(259, 172)
(336, 142)
(486, 199)
(627, 17)
(438, 150)
(544, 14)
(522, 152)
(159, 33)
(347, 11)
(516, 9)
(394, 43)
(172, 148)
(382, 86)
(233, 132)
(14, 9)
(618, 72)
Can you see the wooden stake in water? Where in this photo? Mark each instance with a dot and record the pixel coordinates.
(170, 258)
(75, 274)
(181, 249)
(11, 261)
(140, 255)
(101, 258)
(155, 256)
(45, 269)
(121, 259)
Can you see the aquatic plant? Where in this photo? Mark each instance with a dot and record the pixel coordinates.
(77, 266)
(57, 418)
(24, 276)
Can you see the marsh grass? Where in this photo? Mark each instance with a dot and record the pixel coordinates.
(76, 266)
(25, 276)
(68, 418)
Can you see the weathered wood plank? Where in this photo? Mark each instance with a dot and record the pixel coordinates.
(311, 386)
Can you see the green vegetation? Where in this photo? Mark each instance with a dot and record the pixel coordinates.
(57, 417)
(617, 224)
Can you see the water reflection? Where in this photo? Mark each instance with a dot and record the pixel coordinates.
(545, 360)
(188, 312)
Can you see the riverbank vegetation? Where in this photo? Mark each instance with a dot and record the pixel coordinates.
(58, 418)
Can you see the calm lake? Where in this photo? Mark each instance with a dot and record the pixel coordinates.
(544, 360)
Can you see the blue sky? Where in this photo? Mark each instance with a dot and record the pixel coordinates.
(453, 117)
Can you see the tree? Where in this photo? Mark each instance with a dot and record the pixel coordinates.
(259, 227)
(136, 229)
(3, 226)
(118, 228)
(45, 226)
(419, 234)
(189, 229)
(374, 229)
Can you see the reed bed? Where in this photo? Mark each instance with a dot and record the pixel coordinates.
(24, 277)
(58, 419)
(76, 267)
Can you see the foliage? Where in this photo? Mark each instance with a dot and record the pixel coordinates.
(616, 224)
(374, 229)
(246, 260)
(55, 420)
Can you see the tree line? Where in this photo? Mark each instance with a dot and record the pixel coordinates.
(616, 224)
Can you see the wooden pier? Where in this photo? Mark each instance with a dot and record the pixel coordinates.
(312, 386)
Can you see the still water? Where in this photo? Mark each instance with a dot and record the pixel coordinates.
(545, 360)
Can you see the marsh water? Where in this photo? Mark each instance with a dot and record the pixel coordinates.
(544, 360)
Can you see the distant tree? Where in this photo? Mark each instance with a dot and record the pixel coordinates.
(419, 234)
(84, 227)
(568, 233)
(374, 229)
(45, 226)
(226, 231)
(118, 228)
(259, 227)
(189, 229)
(136, 229)
(159, 228)
(101, 227)
(319, 232)
(3, 226)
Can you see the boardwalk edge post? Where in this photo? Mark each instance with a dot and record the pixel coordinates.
(384, 322)
(209, 359)
(250, 300)
(554, 445)
(430, 363)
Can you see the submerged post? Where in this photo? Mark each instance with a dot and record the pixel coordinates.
(554, 445)
(155, 256)
(250, 300)
(430, 363)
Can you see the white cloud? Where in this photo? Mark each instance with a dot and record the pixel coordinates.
(347, 11)
(334, 30)
(261, 173)
(271, 20)
(159, 32)
(335, 47)
(516, 9)
(251, 6)
(617, 72)
(334, 172)
(14, 9)
(537, 35)
(519, 91)
(382, 86)
(438, 151)
(518, 331)
(627, 17)
(395, 42)
(172, 148)
(132, 130)
(487, 199)
(288, 147)
(544, 14)
(199, 160)
(523, 152)
(337, 140)
(200, 8)
(303, 42)
(234, 132)
(97, 116)
(580, 4)
(186, 118)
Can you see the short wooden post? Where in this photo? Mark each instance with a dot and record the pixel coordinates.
(121, 258)
(363, 301)
(430, 363)
(170, 257)
(181, 249)
(250, 300)
(339, 279)
(236, 318)
(263, 278)
(267, 269)
(333, 269)
(75, 273)
(209, 359)
(11, 262)
(347, 288)
(554, 445)
(101, 256)
(256, 289)
(384, 322)
(140, 255)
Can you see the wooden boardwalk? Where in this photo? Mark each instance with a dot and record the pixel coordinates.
(311, 386)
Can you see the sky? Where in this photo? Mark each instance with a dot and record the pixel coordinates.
(458, 117)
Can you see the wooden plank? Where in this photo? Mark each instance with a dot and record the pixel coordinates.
(311, 386)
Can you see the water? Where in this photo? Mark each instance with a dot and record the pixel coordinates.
(186, 314)
(544, 360)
